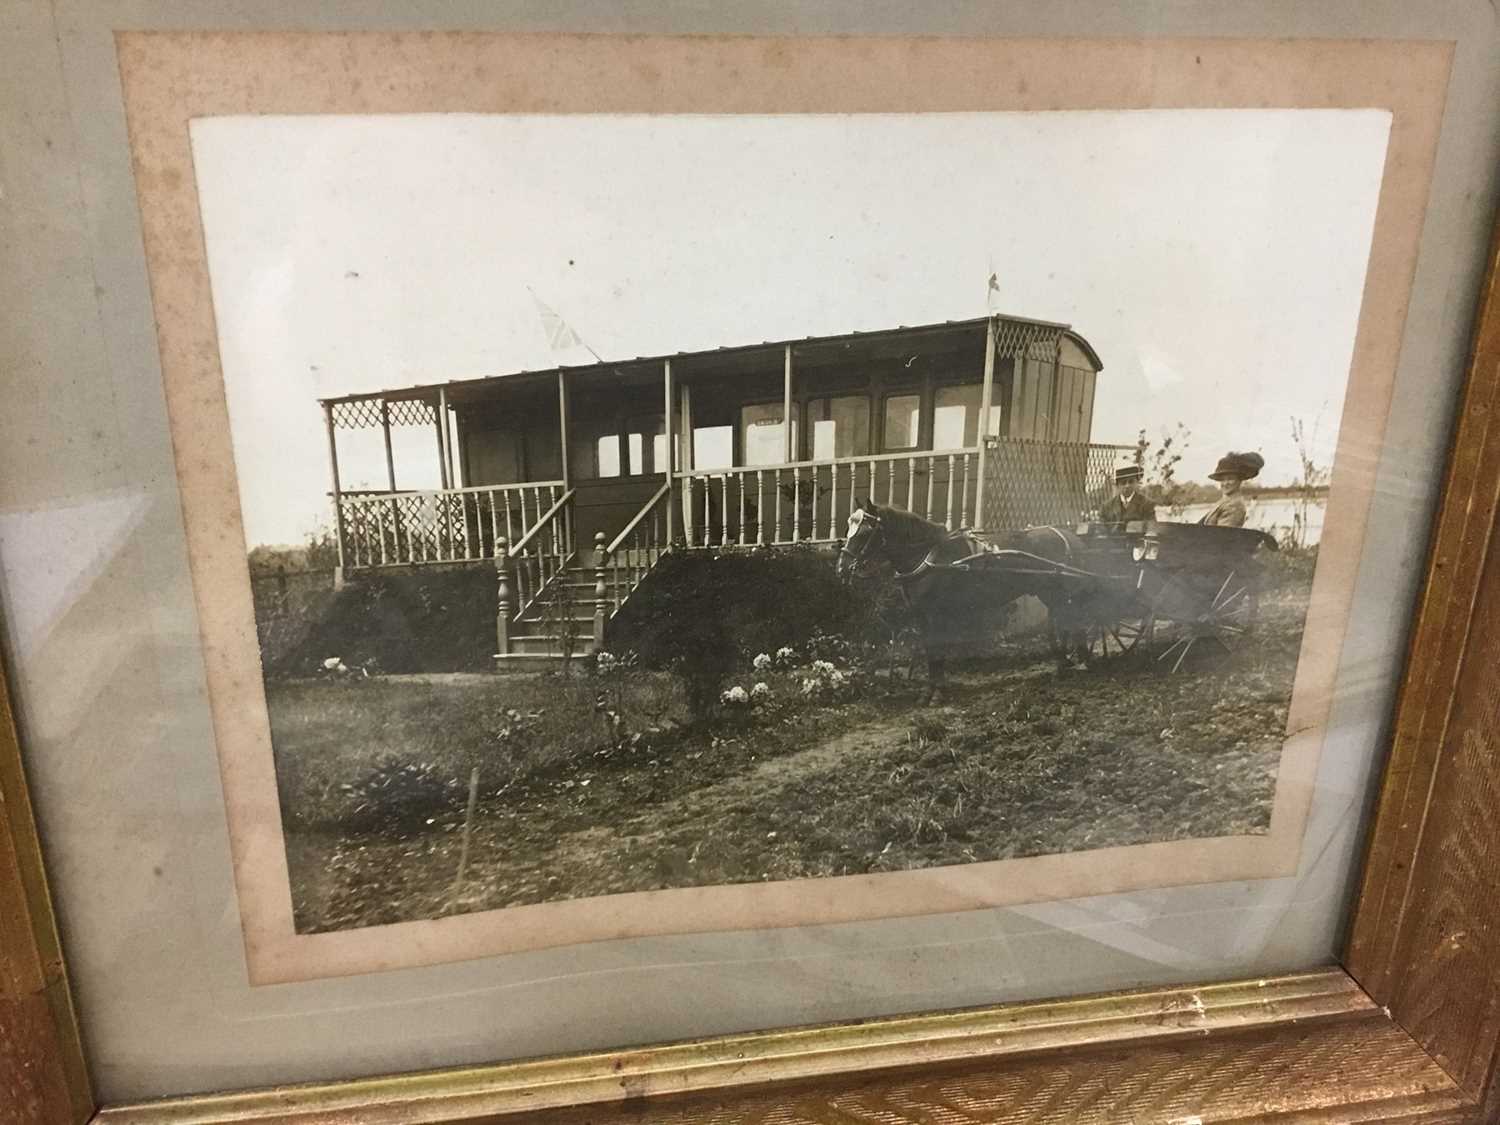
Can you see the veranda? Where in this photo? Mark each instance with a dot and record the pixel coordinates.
(563, 479)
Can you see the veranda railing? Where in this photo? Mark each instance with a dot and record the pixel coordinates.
(1027, 483)
(624, 563)
(440, 525)
(811, 501)
(539, 556)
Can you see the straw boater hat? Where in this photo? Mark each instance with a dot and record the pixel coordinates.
(1239, 466)
(1128, 474)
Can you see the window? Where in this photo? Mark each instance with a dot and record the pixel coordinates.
(592, 455)
(903, 421)
(646, 445)
(607, 460)
(762, 439)
(840, 426)
(713, 447)
(955, 417)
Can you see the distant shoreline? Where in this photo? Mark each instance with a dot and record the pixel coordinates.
(1295, 490)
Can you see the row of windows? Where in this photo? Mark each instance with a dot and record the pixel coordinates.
(839, 427)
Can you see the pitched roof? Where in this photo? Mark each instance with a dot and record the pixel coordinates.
(847, 342)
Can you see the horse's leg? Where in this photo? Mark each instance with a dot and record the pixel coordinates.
(1058, 626)
(1071, 643)
(932, 647)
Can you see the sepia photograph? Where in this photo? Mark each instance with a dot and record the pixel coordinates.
(639, 503)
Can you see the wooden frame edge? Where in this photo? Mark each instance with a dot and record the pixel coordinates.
(1425, 937)
(42, 1070)
(1185, 1031)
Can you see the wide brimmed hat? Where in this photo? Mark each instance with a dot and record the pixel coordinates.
(1126, 474)
(1238, 466)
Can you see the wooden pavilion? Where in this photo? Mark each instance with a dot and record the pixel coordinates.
(562, 478)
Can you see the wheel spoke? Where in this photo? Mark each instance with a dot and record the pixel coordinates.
(1228, 578)
(1223, 605)
(1186, 648)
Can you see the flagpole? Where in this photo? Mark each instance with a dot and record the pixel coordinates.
(565, 335)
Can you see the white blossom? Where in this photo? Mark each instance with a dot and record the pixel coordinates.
(735, 695)
(762, 662)
(761, 690)
(331, 663)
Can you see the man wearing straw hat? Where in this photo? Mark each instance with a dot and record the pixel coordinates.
(1129, 502)
(1232, 471)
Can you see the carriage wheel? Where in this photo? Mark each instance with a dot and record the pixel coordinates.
(1108, 639)
(1228, 618)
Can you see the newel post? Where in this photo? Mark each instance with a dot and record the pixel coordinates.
(601, 591)
(503, 598)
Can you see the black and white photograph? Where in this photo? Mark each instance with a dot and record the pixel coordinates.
(640, 503)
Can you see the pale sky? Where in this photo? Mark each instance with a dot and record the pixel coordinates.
(1214, 258)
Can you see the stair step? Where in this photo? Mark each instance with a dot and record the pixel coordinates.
(534, 661)
(543, 644)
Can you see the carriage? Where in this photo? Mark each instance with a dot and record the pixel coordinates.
(1118, 588)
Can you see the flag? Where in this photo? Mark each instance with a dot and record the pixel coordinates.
(559, 333)
(992, 293)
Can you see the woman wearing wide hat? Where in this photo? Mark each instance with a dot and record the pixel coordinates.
(1232, 471)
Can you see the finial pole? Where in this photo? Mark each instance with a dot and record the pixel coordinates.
(601, 589)
(503, 597)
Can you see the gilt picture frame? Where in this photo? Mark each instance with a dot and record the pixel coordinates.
(1405, 1026)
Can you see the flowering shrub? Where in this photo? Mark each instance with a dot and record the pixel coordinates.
(735, 696)
(786, 656)
(761, 691)
(829, 647)
(334, 666)
(824, 681)
(761, 662)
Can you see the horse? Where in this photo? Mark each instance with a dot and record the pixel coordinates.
(943, 579)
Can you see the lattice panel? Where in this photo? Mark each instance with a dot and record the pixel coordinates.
(364, 413)
(1034, 341)
(401, 528)
(1039, 483)
(412, 412)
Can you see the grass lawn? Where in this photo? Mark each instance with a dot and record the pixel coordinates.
(1018, 760)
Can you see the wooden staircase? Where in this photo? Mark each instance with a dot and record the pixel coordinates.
(560, 621)
(566, 597)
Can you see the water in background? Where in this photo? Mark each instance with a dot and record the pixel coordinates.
(1275, 514)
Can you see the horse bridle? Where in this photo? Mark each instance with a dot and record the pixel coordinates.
(857, 558)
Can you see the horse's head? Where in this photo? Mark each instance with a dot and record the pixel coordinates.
(861, 540)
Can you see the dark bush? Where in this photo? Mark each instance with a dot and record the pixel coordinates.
(400, 798)
(703, 615)
(425, 621)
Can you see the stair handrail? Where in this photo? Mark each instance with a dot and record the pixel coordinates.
(637, 518)
(525, 540)
(641, 544)
(536, 567)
